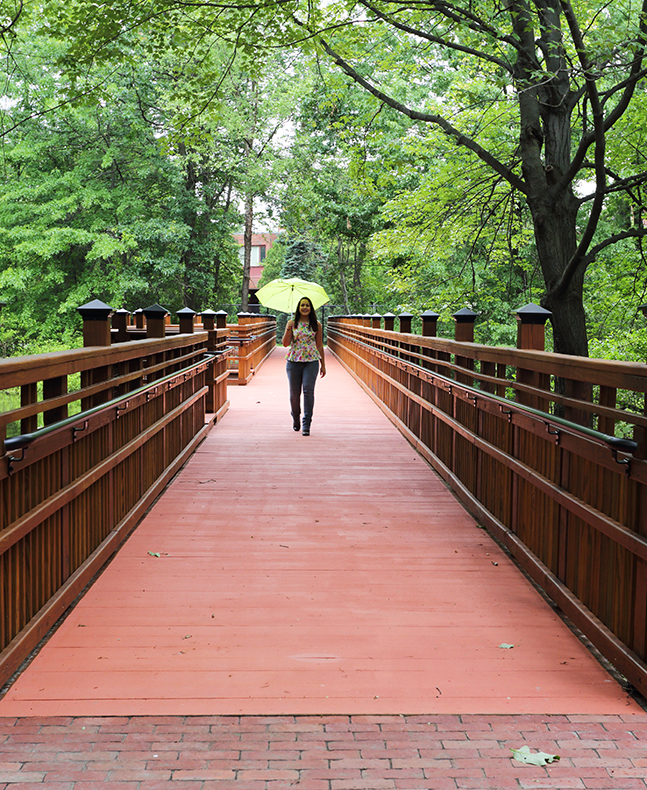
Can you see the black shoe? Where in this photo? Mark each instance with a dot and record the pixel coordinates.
(296, 426)
(305, 432)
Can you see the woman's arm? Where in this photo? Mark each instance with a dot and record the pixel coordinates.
(287, 335)
(320, 349)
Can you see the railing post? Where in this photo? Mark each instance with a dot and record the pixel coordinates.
(376, 321)
(139, 318)
(531, 331)
(96, 323)
(389, 321)
(405, 322)
(405, 328)
(464, 333)
(221, 319)
(429, 329)
(186, 317)
(244, 363)
(208, 320)
(155, 316)
(640, 434)
(640, 616)
(120, 325)
(96, 332)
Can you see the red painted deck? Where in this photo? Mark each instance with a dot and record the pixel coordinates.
(330, 574)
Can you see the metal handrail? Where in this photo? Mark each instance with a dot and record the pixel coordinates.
(25, 439)
(613, 442)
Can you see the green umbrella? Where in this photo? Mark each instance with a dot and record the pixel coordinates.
(285, 295)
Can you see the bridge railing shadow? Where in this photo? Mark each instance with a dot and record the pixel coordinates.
(539, 450)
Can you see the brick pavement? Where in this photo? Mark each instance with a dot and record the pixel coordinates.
(434, 752)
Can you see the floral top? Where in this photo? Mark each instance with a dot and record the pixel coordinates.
(304, 346)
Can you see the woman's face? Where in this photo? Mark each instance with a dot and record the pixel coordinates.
(304, 307)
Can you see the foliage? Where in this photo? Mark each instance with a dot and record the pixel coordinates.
(436, 155)
(102, 198)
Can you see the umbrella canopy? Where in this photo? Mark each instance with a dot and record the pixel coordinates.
(285, 295)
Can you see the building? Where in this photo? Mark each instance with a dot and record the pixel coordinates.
(261, 243)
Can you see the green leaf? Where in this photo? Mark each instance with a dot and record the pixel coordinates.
(154, 553)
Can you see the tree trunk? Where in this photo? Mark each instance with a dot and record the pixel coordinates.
(555, 235)
(545, 143)
(247, 251)
(342, 275)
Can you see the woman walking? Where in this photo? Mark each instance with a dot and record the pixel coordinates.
(305, 358)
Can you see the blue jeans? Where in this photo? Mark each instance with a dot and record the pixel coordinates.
(302, 376)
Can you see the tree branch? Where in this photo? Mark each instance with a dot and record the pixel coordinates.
(631, 233)
(13, 20)
(628, 86)
(445, 42)
(438, 120)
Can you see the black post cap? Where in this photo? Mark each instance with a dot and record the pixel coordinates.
(96, 310)
(533, 314)
(155, 311)
(465, 316)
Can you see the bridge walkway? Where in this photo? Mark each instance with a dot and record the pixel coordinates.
(329, 575)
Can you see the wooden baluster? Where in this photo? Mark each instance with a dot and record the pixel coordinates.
(607, 398)
(54, 388)
(29, 396)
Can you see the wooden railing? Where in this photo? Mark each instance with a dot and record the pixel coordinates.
(254, 338)
(81, 467)
(547, 451)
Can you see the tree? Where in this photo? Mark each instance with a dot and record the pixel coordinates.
(562, 74)
(98, 198)
(561, 82)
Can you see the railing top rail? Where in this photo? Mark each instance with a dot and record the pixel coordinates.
(15, 371)
(613, 373)
(616, 443)
(25, 439)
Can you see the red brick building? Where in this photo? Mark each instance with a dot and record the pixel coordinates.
(261, 243)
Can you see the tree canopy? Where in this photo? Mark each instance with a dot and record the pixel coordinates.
(437, 153)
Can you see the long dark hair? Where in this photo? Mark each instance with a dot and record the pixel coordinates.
(314, 324)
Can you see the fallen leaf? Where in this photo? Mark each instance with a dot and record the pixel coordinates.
(154, 553)
(524, 755)
(505, 646)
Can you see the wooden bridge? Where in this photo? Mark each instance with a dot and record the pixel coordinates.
(337, 573)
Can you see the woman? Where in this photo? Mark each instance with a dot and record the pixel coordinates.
(304, 335)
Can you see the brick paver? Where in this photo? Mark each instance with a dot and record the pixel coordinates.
(431, 752)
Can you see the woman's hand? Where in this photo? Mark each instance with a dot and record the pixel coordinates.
(287, 335)
(322, 370)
